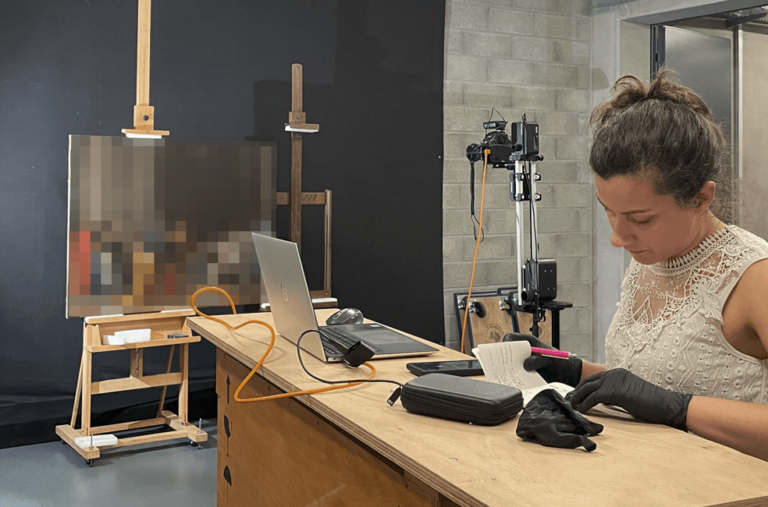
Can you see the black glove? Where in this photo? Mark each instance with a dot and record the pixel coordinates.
(639, 397)
(549, 420)
(551, 369)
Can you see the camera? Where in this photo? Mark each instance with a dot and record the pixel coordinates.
(522, 143)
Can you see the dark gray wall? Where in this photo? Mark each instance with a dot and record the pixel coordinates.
(373, 74)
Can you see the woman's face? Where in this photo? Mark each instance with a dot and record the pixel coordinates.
(651, 227)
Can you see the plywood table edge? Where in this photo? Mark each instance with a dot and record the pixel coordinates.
(450, 490)
(413, 467)
(752, 502)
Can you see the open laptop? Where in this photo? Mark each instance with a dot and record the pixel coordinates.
(283, 277)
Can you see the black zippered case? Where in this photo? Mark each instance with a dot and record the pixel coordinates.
(461, 399)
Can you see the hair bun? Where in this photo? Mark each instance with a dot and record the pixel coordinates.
(630, 90)
(666, 89)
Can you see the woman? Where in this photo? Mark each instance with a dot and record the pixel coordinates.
(688, 346)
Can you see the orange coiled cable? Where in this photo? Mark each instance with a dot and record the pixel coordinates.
(266, 353)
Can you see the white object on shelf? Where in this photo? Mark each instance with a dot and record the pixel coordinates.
(129, 336)
(134, 335)
(115, 340)
(96, 441)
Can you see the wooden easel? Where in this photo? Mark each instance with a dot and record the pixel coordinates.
(95, 329)
(297, 125)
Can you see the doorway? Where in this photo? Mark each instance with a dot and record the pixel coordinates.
(723, 58)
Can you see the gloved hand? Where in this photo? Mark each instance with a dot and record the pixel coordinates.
(549, 420)
(639, 397)
(551, 369)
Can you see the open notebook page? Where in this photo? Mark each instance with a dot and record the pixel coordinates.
(502, 363)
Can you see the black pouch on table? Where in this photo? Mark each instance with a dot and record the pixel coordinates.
(461, 399)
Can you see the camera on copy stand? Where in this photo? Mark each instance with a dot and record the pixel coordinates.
(518, 151)
(522, 143)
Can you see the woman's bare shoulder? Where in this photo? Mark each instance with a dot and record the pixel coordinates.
(755, 279)
(745, 315)
(753, 296)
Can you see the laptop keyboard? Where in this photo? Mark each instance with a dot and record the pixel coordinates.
(328, 333)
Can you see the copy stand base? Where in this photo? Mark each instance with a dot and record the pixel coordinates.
(161, 325)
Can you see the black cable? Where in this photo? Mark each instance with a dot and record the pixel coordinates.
(298, 351)
(540, 314)
(532, 210)
(491, 116)
(475, 222)
(472, 190)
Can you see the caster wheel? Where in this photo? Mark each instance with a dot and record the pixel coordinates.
(194, 444)
(89, 462)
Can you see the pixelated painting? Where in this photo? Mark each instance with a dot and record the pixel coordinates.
(153, 220)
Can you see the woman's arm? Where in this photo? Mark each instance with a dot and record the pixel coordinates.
(588, 369)
(743, 426)
(737, 424)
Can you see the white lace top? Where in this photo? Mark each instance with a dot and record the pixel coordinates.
(668, 326)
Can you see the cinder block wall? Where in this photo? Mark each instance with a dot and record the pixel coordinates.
(518, 56)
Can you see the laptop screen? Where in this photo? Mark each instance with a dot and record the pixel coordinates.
(283, 277)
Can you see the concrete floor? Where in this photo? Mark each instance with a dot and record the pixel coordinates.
(167, 473)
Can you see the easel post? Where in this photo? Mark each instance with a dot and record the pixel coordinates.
(87, 376)
(184, 386)
(143, 113)
(296, 189)
(142, 106)
(297, 124)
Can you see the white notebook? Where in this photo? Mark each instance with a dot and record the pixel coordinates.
(502, 363)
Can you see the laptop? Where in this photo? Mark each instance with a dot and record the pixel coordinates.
(291, 304)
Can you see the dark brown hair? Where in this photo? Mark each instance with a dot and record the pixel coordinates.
(661, 130)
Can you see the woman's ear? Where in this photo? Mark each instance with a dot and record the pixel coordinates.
(706, 196)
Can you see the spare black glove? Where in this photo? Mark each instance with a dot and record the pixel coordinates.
(639, 397)
(549, 420)
(551, 369)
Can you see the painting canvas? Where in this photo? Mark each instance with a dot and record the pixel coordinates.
(153, 220)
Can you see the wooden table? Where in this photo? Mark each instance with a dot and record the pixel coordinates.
(350, 448)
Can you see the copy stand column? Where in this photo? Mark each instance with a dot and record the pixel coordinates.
(527, 297)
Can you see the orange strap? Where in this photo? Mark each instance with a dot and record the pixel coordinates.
(266, 353)
(474, 257)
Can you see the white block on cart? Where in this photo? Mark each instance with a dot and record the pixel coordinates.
(115, 340)
(98, 441)
(134, 335)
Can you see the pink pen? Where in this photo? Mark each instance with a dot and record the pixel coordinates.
(551, 353)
